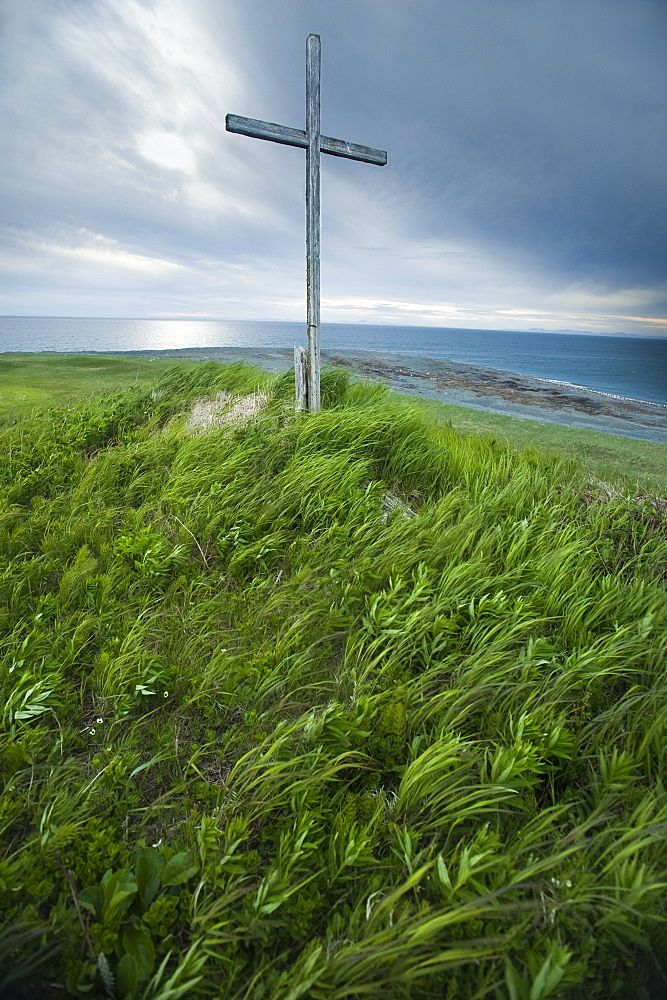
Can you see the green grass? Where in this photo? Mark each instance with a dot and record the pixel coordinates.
(33, 382)
(631, 463)
(264, 735)
(37, 381)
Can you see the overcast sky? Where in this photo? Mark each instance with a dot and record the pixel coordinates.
(526, 183)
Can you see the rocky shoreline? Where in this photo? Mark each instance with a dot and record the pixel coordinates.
(523, 390)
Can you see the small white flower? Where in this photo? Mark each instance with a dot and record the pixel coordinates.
(556, 881)
(99, 720)
(92, 730)
(568, 883)
(166, 694)
(157, 843)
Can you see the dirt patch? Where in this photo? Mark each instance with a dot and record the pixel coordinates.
(210, 414)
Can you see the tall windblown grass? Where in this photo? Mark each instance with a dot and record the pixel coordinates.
(265, 734)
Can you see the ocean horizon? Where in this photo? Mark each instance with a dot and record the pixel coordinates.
(621, 365)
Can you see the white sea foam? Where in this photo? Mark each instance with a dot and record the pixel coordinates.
(598, 392)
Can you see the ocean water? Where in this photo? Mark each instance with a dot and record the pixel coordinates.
(634, 367)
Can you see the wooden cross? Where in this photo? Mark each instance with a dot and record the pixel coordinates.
(307, 369)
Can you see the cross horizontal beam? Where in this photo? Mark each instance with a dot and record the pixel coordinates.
(297, 137)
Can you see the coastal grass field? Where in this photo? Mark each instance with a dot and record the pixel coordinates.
(33, 382)
(329, 706)
(631, 464)
(30, 382)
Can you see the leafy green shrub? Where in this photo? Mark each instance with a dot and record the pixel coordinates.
(128, 907)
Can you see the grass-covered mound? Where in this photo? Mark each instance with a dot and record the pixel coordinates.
(267, 735)
(36, 381)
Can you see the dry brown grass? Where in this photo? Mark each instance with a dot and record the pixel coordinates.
(210, 414)
(599, 491)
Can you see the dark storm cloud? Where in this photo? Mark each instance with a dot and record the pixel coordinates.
(535, 125)
(525, 184)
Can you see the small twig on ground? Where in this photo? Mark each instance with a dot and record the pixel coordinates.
(178, 763)
(195, 541)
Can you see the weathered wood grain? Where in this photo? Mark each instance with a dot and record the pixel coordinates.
(266, 130)
(313, 59)
(353, 151)
(300, 380)
(297, 137)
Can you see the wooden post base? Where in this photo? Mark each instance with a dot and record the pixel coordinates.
(301, 378)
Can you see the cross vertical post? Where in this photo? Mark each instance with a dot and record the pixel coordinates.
(313, 62)
(307, 365)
